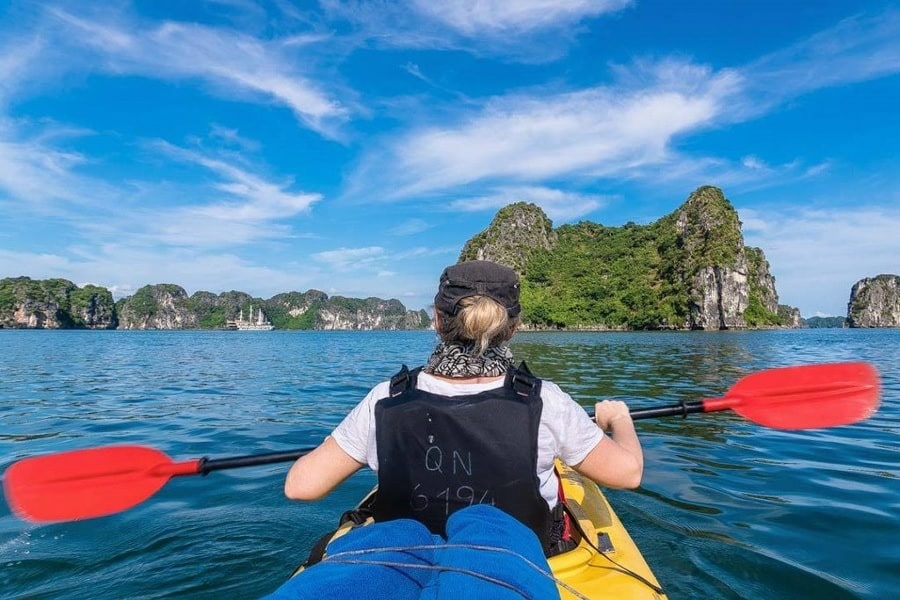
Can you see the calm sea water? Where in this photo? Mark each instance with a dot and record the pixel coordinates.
(728, 509)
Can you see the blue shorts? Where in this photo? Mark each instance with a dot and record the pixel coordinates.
(487, 554)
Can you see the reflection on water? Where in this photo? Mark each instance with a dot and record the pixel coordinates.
(728, 509)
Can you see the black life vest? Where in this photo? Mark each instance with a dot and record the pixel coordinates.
(438, 454)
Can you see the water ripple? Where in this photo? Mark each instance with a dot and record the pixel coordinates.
(727, 509)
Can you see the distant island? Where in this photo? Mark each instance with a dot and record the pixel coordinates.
(825, 322)
(60, 304)
(875, 302)
(689, 270)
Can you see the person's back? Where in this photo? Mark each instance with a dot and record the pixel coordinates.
(439, 452)
(476, 313)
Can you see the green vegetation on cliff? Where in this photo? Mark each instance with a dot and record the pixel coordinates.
(757, 314)
(518, 233)
(826, 322)
(615, 276)
(710, 229)
(54, 303)
(294, 310)
(60, 304)
(663, 275)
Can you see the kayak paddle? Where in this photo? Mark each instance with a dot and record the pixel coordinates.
(94, 482)
(804, 397)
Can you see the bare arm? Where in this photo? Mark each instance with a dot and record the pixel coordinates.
(315, 474)
(617, 460)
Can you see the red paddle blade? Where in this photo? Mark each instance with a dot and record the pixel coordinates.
(804, 397)
(83, 484)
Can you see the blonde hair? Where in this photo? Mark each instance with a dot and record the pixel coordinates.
(479, 320)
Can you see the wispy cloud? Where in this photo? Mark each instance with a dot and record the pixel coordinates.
(748, 173)
(630, 128)
(233, 64)
(230, 136)
(533, 138)
(123, 268)
(818, 254)
(239, 207)
(350, 258)
(39, 173)
(560, 206)
(17, 54)
(411, 227)
(259, 199)
(531, 31)
(859, 48)
(39, 178)
(511, 17)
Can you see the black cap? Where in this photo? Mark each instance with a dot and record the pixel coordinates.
(478, 278)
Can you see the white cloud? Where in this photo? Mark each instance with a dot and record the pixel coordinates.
(39, 174)
(124, 268)
(260, 199)
(521, 30)
(411, 227)
(560, 206)
(232, 63)
(629, 129)
(477, 17)
(232, 137)
(749, 173)
(17, 55)
(41, 179)
(857, 49)
(350, 258)
(602, 130)
(818, 254)
(754, 163)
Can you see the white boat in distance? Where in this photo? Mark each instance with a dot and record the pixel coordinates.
(260, 324)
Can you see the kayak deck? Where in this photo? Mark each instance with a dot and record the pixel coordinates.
(606, 563)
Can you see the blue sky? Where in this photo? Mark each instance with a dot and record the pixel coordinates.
(353, 147)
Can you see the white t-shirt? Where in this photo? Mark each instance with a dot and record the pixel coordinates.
(566, 431)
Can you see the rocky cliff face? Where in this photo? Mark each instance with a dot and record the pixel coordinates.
(54, 304)
(60, 304)
(790, 316)
(297, 305)
(724, 277)
(718, 298)
(512, 237)
(368, 314)
(163, 306)
(875, 302)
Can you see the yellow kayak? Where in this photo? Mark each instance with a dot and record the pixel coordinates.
(606, 563)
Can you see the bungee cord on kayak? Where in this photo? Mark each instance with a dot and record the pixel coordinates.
(619, 567)
(341, 557)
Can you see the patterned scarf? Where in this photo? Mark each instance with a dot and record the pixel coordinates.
(458, 361)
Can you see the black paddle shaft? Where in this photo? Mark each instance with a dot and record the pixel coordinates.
(682, 408)
(251, 460)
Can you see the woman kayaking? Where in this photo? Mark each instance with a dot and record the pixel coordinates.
(470, 427)
(460, 424)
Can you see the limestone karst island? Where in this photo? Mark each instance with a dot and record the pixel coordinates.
(689, 270)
